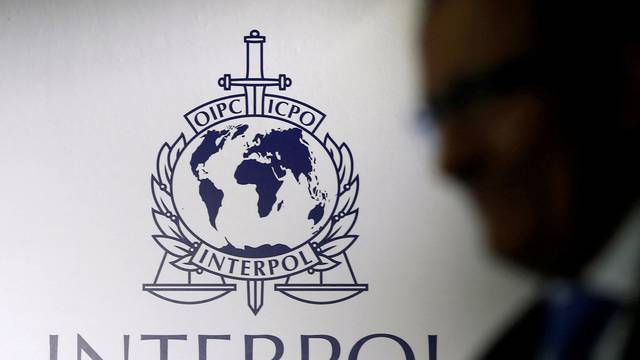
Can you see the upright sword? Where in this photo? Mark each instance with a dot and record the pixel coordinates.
(254, 84)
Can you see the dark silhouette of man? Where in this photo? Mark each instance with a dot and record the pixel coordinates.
(538, 107)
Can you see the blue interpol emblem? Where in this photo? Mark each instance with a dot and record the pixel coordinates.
(258, 193)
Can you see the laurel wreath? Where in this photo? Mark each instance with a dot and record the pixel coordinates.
(178, 241)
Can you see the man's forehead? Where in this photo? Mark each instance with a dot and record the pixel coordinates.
(465, 36)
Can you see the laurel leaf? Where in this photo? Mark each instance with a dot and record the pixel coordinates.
(325, 264)
(176, 151)
(343, 225)
(173, 246)
(187, 235)
(334, 151)
(166, 225)
(184, 263)
(337, 246)
(162, 198)
(322, 234)
(162, 166)
(346, 167)
(348, 197)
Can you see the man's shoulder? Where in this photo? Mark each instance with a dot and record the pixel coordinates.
(521, 339)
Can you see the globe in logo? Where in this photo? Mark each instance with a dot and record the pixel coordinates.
(255, 187)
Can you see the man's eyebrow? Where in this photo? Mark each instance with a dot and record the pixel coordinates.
(508, 76)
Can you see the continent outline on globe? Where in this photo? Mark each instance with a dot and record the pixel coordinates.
(220, 146)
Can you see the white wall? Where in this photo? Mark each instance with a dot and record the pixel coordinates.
(89, 91)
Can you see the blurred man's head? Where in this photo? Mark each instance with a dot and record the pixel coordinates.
(538, 108)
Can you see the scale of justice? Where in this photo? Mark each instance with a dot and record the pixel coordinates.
(185, 279)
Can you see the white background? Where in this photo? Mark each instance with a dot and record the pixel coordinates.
(90, 90)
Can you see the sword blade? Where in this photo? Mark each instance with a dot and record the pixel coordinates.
(255, 295)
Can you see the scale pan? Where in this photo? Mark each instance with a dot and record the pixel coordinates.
(321, 293)
(189, 293)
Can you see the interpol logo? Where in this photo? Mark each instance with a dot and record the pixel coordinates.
(257, 193)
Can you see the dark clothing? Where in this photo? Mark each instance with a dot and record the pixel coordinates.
(525, 338)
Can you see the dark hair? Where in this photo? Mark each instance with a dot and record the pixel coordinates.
(584, 47)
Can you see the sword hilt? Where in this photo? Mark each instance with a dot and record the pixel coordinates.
(254, 72)
(227, 82)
